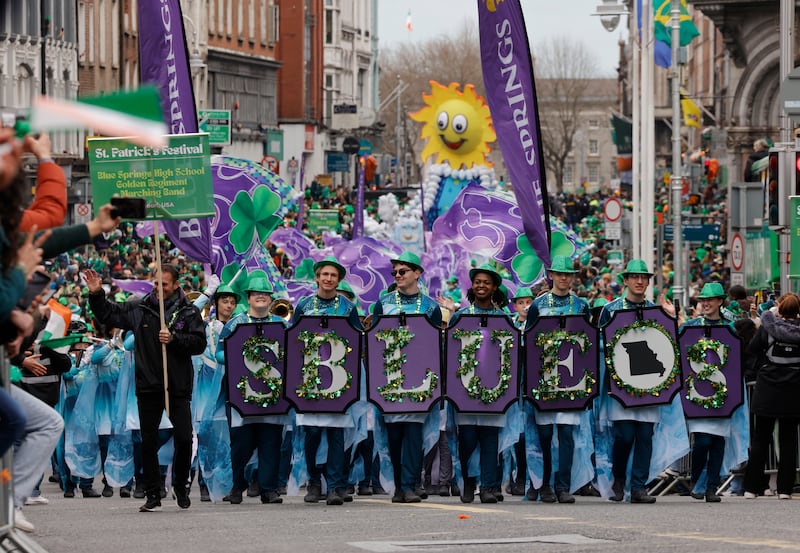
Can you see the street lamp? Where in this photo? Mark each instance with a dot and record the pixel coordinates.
(609, 12)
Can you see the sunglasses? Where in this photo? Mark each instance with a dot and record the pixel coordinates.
(400, 272)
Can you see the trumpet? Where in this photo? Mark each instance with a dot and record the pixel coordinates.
(282, 308)
(193, 295)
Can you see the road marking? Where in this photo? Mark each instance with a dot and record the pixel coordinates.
(735, 541)
(439, 506)
(399, 546)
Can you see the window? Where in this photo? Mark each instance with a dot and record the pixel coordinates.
(568, 173)
(593, 124)
(328, 26)
(594, 172)
(594, 148)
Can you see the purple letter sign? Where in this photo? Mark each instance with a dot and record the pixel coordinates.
(322, 364)
(482, 374)
(642, 357)
(562, 363)
(404, 373)
(712, 371)
(254, 369)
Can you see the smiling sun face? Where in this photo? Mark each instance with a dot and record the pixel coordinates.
(457, 126)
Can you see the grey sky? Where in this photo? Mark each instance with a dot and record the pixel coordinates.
(543, 18)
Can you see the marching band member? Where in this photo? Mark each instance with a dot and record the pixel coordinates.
(521, 302)
(558, 301)
(481, 429)
(263, 433)
(708, 447)
(327, 301)
(405, 431)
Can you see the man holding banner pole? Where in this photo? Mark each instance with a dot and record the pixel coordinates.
(167, 318)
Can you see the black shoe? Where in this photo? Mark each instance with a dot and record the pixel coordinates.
(532, 494)
(351, 489)
(271, 498)
(54, 478)
(334, 499)
(152, 505)
(547, 495)
(163, 491)
(253, 490)
(313, 493)
(281, 490)
(565, 497)
(487, 496)
(588, 491)
(344, 493)
(125, 492)
(421, 493)
(454, 490)
(182, 497)
(397, 497)
(108, 491)
(410, 496)
(204, 495)
(641, 496)
(364, 489)
(700, 496)
(378, 490)
(138, 491)
(617, 491)
(70, 493)
(443, 490)
(516, 489)
(469, 492)
(90, 492)
(234, 497)
(498, 495)
(712, 498)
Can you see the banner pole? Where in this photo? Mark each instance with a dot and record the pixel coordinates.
(161, 313)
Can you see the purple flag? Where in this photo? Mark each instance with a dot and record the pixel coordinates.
(511, 95)
(135, 287)
(163, 59)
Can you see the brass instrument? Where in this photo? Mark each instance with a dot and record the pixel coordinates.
(193, 295)
(282, 308)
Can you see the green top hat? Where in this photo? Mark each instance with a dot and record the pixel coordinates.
(409, 258)
(636, 267)
(225, 290)
(562, 264)
(333, 262)
(486, 268)
(712, 290)
(345, 287)
(258, 284)
(523, 292)
(453, 279)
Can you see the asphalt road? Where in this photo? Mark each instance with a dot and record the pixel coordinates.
(673, 524)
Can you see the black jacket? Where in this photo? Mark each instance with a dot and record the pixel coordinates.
(141, 316)
(777, 387)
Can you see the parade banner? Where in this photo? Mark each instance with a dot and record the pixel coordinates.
(323, 360)
(254, 369)
(642, 357)
(711, 359)
(511, 95)
(562, 363)
(482, 372)
(175, 180)
(403, 364)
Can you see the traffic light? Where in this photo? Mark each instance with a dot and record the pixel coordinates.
(771, 185)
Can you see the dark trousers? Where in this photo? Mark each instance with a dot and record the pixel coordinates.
(151, 407)
(335, 467)
(405, 451)
(636, 435)
(441, 450)
(566, 448)
(285, 466)
(469, 436)
(708, 451)
(760, 437)
(264, 438)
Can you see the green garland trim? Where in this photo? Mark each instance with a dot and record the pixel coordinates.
(468, 364)
(393, 360)
(674, 372)
(309, 387)
(252, 352)
(549, 388)
(697, 354)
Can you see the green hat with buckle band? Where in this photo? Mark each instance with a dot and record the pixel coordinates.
(562, 264)
(345, 287)
(523, 292)
(409, 258)
(225, 290)
(258, 284)
(332, 262)
(636, 267)
(712, 290)
(486, 268)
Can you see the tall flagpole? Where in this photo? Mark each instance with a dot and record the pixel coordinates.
(636, 245)
(648, 138)
(676, 183)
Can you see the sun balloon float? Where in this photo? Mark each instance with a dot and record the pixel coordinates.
(457, 126)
